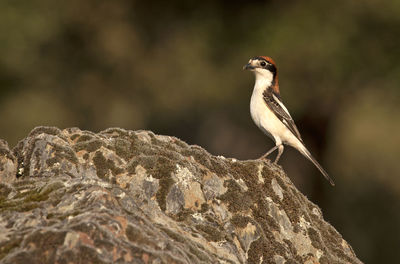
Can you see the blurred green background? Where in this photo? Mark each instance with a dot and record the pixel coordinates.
(175, 67)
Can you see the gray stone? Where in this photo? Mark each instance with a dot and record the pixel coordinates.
(118, 196)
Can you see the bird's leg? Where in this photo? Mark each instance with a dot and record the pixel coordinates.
(280, 151)
(269, 152)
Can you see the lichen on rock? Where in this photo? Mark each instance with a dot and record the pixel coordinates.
(118, 196)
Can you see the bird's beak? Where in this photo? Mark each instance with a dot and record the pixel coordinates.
(248, 66)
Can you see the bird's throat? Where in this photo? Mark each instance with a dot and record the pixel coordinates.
(262, 84)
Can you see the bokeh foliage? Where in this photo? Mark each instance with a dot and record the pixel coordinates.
(175, 67)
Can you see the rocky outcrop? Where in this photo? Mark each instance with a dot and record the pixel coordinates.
(72, 196)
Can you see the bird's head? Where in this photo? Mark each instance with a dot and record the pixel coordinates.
(264, 69)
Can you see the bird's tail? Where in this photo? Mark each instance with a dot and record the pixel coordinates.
(308, 155)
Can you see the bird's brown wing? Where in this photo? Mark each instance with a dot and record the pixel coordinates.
(275, 104)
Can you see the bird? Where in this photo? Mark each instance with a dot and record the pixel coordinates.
(271, 115)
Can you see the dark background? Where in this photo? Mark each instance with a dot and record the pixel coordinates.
(176, 68)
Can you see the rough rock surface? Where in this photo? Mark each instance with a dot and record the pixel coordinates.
(72, 196)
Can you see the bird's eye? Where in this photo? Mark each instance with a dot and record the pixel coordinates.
(263, 64)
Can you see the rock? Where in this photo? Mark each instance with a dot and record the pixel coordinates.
(8, 164)
(72, 196)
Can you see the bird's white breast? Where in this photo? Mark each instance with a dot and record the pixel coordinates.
(257, 105)
(264, 118)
